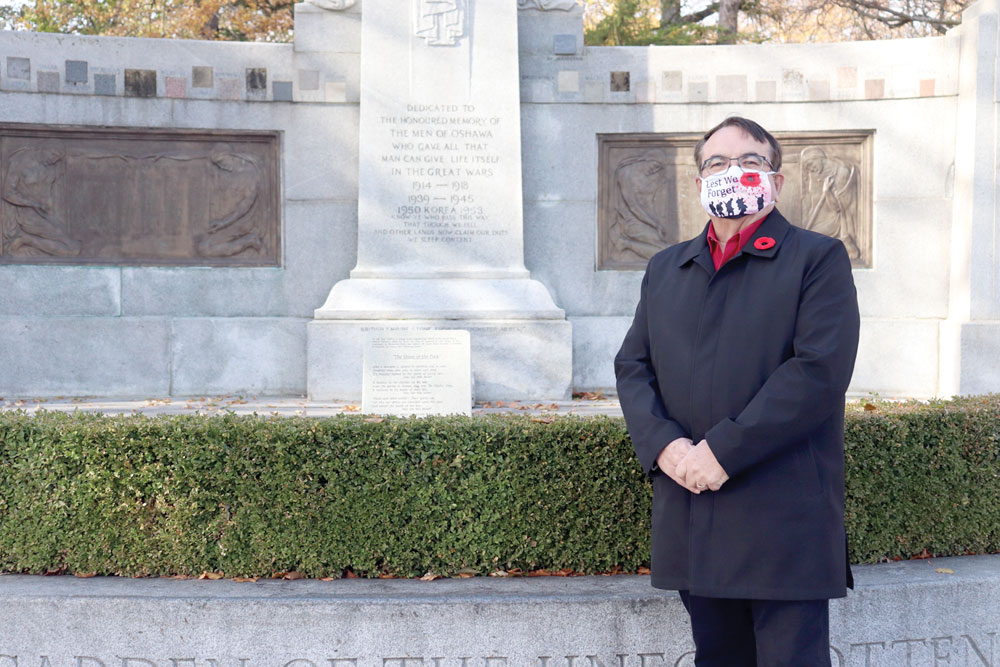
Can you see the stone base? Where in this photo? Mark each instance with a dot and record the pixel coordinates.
(511, 358)
(917, 613)
(969, 354)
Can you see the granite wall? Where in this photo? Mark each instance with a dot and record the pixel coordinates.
(931, 312)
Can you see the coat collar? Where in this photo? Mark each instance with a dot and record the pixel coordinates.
(774, 226)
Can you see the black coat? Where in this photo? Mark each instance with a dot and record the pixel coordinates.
(756, 359)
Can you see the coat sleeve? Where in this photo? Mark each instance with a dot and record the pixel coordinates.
(649, 425)
(807, 387)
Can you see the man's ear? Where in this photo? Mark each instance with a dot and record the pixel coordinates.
(697, 182)
(779, 182)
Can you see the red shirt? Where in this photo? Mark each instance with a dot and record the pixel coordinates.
(733, 246)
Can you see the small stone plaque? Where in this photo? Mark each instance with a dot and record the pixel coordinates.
(569, 81)
(229, 88)
(48, 82)
(140, 83)
(336, 91)
(19, 68)
(175, 86)
(308, 79)
(417, 373)
(256, 79)
(202, 77)
(104, 84)
(673, 81)
(564, 45)
(619, 82)
(282, 91)
(76, 71)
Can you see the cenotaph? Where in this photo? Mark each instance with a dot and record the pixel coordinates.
(440, 231)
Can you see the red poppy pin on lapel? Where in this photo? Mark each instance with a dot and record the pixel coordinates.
(763, 243)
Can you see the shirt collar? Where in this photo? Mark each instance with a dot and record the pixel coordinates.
(774, 227)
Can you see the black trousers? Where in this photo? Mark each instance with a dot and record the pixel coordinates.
(759, 633)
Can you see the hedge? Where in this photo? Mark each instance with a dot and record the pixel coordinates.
(250, 496)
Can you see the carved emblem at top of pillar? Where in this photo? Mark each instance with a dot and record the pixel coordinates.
(334, 5)
(441, 22)
(546, 5)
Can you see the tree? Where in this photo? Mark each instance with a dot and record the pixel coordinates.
(730, 21)
(241, 20)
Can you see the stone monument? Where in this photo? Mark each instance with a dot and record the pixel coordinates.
(440, 231)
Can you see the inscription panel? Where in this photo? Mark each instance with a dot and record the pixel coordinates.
(648, 199)
(137, 197)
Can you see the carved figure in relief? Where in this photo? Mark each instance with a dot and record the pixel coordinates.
(31, 226)
(546, 5)
(830, 197)
(642, 209)
(335, 5)
(441, 22)
(236, 188)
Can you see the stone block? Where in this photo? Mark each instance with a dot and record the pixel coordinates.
(59, 291)
(140, 83)
(564, 45)
(595, 343)
(48, 82)
(927, 88)
(905, 613)
(76, 71)
(979, 349)
(322, 153)
(620, 82)
(847, 77)
(281, 91)
(593, 92)
(79, 356)
(19, 68)
(511, 359)
(202, 77)
(819, 90)
(336, 91)
(897, 358)
(536, 29)
(793, 85)
(330, 31)
(105, 84)
(238, 356)
(568, 81)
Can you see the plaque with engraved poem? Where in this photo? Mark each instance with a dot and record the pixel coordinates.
(81, 195)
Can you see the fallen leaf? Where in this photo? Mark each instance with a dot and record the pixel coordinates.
(644, 570)
(387, 576)
(922, 555)
(351, 408)
(54, 571)
(870, 408)
(244, 580)
(498, 573)
(349, 574)
(464, 575)
(328, 578)
(84, 575)
(945, 570)
(292, 576)
(374, 420)
(430, 576)
(542, 420)
(539, 573)
(210, 575)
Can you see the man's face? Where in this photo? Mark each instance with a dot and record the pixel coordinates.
(731, 141)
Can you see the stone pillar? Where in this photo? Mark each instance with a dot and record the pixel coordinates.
(440, 233)
(970, 336)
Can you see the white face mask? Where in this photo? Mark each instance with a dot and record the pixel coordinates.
(734, 193)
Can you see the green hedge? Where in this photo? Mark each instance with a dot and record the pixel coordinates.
(251, 496)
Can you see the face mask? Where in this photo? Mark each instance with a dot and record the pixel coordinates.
(734, 193)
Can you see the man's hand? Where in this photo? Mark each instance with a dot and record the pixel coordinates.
(699, 470)
(673, 454)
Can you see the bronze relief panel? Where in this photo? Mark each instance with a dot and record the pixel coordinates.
(647, 198)
(135, 197)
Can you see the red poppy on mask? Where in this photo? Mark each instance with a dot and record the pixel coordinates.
(751, 179)
(763, 243)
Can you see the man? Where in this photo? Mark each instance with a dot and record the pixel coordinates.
(732, 380)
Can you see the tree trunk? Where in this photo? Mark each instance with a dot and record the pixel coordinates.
(729, 11)
(670, 12)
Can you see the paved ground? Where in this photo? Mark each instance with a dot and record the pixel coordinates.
(284, 406)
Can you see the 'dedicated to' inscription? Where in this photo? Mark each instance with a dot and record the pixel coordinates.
(138, 197)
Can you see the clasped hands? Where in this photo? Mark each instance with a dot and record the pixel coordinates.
(693, 467)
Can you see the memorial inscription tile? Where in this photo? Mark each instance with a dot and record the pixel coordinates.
(19, 68)
(126, 196)
(647, 197)
(564, 45)
(256, 79)
(48, 82)
(140, 83)
(175, 86)
(105, 84)
(308, 79)
(202, 77)
(620, 82)
(282, 91)
(76, 71)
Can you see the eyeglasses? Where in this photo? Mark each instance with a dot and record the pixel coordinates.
(747, 162)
